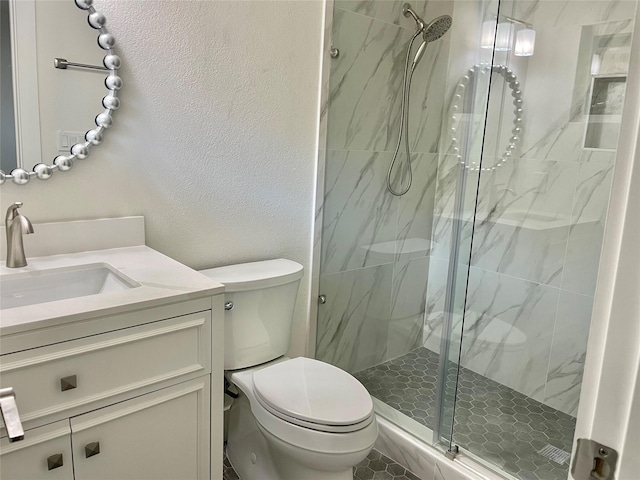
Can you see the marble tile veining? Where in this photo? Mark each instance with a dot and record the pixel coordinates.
(523, 227)
(509, 338)
(358, 212)
(523, 308)
(568, 352)
(415, 208)
(352, 330)
(589, 215)
(573, 12)
(436, 287)
(557, 106)
(391, 11)
(407, 305)
(366, 84)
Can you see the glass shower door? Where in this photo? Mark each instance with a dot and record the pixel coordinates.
(391, 266)
(537, 233)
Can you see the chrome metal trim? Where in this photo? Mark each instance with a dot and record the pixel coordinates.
(16, 225)
(10, 415)
(593, 460)
(63, 64)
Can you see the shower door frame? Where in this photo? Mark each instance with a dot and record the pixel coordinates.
(609, 409)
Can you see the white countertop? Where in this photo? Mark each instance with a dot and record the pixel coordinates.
(163, 281)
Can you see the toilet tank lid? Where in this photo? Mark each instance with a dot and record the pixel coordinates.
(256, 275)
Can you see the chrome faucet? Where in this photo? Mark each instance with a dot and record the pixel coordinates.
(16, 225)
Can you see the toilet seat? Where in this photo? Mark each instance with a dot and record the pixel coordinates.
(314, 395)
(310, 439)
(315, 440)
(316, 426)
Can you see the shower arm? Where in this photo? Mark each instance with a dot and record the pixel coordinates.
(407, 11)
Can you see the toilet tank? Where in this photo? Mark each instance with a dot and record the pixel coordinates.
(257, 328)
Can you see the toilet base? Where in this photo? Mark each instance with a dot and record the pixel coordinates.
(247, 448)
(255, 458)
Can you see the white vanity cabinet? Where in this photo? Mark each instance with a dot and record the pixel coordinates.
(110, 383)
(133, 403)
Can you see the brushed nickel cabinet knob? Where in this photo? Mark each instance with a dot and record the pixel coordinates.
(91, 449)
(68, 383)
(55, 461)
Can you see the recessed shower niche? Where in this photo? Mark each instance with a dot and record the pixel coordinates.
(609, 62)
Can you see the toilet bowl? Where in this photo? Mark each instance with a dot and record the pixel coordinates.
(293, 419)
(301, 419)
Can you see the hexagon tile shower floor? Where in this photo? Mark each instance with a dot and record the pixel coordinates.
(493, 421)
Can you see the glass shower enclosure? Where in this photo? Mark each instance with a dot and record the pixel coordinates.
(464, 305)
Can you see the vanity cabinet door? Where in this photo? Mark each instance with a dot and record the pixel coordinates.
(44, 454)
(163, 435)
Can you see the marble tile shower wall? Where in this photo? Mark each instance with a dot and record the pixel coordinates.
(541, 217)
(375, 247)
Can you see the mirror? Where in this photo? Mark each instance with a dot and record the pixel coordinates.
(52, 78)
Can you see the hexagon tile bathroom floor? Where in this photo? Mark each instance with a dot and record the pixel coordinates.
(228, 473)
(509, 429)
(375, 467)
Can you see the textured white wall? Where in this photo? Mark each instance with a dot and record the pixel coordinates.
(215, 143)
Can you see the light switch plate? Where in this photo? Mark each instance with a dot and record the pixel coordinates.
(67, 139)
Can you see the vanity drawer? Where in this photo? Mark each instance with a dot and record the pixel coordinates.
(91, 372)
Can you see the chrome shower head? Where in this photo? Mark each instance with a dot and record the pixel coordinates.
(437, 28)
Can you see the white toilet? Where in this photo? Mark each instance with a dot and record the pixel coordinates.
(294, 419)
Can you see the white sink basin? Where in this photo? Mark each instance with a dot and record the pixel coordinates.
(49, 285)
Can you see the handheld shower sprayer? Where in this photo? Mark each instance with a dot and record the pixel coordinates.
(437, 28)
(419, 53)
(431, 32)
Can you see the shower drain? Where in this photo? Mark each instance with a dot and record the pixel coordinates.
(555, 454)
